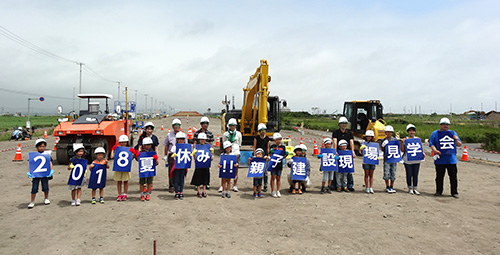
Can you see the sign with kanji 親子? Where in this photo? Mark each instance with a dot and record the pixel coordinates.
(328, 161)
(446, 143)
(183, 156)
(299, 168)
(39, 164)
(393, 152)
(228, 170)
(97, 179)
(276, 161)
(147, 164)
(370, 153)
(414, 150)
(346, 163)
(256, 167)
(77, 173)
(123, 159)
(203, 156)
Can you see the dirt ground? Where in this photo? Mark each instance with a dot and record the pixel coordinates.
(338, 223)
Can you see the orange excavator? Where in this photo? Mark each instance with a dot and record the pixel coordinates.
(94, 128)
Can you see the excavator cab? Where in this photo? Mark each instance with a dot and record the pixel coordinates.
(365, 115)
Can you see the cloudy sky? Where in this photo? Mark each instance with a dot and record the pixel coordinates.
(189, 54)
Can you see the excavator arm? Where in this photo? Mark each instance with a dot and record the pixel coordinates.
(254, 108)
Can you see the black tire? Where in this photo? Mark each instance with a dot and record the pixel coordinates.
(62, 157)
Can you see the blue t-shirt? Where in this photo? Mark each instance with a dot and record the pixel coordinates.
(443, 158)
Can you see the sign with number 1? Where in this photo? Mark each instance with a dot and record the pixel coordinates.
(39, 164)
(123, 159)
(97, 179)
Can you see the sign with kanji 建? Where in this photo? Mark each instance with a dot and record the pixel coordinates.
(299, 168)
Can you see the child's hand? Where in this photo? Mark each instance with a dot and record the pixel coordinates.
(91, 166)
(236, 165)
(174, 155)
(337, 157)
(320, 156)
(212, 158)
(385, 143)
(212, 150)
(362, 147)
(219, 166)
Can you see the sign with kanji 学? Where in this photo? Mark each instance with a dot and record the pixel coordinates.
(328, 161)
(78, 171)
(346, 162)
(97, 179)
(393, 152)
(446, 143)
(203, 156)
(299, 168)
(228, 170)
(413, 149)
(370, 153)
(39, 164)
(183, 155)
(123, 159)
(147, 164)
(256, 167)
(276, 161)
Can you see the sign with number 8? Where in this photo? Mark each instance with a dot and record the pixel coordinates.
(123, 159)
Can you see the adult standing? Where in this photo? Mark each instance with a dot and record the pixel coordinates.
(443, 141)
(262, 141)
(344, 134)
(204, 122)
(169, 142)
(234, 136)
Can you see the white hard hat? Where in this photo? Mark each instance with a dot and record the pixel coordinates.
(176, 122)
(20, 128)
(147, 141)
(99, 150)
(180, 135)
(303, 146)
(277, 136)
(259, 150)
(445, 121)
(389, 128)
(410, 126)
(369, 133)
(261, 126)
(149, 124)
(343, 120)
(204, 119)
(297, 147)
(77, 146)
(232, 122)
(327, 140)
(123, 138)
(202, 136)
(227, 144)
(40, 141)
(343, 142)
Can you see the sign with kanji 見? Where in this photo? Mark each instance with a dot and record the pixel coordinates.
(414, 150)
(370, 153)
(183, 156)
(299, 168)
(203, 156)
(346, 163)
(328, 161)
(446, 143)
(256, 167)
(393, 152)
(147, 164)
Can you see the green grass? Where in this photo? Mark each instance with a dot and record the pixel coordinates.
(9, 123)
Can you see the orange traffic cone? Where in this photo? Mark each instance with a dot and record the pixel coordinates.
(316, 151)
(217, 143)
(194, 130)
(161, 127)
(323, 143)
(190, 133)
(465, 155)
(55, 144)
(45, 134)
(169, 130)
(18, 156)
(301, 140)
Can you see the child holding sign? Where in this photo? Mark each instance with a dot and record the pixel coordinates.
(76, 189)
(390, 168)
(345, 161)
(226, 182)
(179, 173)
(257, 181)
(121, 177)
(412, 167)
(299, 151)
(369, 168)
(40, 145)
(327, 175)
(276, 171)
(100, 160)
(201, 176)
(146, 183)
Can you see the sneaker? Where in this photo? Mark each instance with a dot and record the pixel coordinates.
(235, 189)
(265, 188)
(410, 191)
(388, 189)
(31, 205)
(46, 201)
(300, 192)
(78, 202)
(339, 189)
(294, 191)
(322, 191)
(416, 192)
(351, 189)
(367, 190)
(142, 198)
(328, 191)
(437, 194)
(93, 201)
(171, 190)
(228, 195)
(393, 190)
(223, 194)
(101, 200)
(204, 194)
(73, 202)
(273, 194)
(220, 189)
(255, 194)
(119, 198)
(371, 191)
(148, 197)
(124, 197)
(181, 196)
(278, 194)
(260, 195)
(455, 195)
(198, 194)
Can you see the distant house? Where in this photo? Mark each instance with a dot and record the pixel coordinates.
(493, 115)
(188, 113)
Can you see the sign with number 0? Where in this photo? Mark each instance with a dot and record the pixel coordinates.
(123, 159)
(78, 171)
(39, 164)
(97, 179)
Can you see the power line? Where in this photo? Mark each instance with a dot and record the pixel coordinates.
(32, 94)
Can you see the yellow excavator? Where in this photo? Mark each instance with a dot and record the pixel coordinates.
(258, 107)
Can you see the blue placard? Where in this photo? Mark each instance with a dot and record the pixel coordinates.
(257, 167)
(203, 156)
(393, 152)
(228, 170)
(147, 164)
(123, 159)
(97, 179)
(39, 164)
(78, 172)
(276, 161)
(413, 149)
(244, 156)
(183, 158)
(328, 161)
(446, 143)
(299, 168)
(346, 162)
(370, 153)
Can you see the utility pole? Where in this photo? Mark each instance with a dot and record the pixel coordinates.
(145, 103)
(136, 96)
(118, 91)
(151, 105)
(80, 88)
(74, 98)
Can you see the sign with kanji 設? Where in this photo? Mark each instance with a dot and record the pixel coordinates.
(123, 159)
(203, 156)
(276, 161)
(299, 168)
(328, 161)
(183, 156)
(97, 179)
(393, 152)
(257, 167)
(346, 162)
(228, 169)
(370, 153)
(446, 143)
(413, 149)
(147, 164)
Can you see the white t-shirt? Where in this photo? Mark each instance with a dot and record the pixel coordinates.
(236, 144)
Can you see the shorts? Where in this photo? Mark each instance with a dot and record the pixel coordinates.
(36, 183)
(257, 181)
(73, 187)
(148, 180)
(328, 175)
(121, 176)
(276, 172)
(368, 166)
(390, 171)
